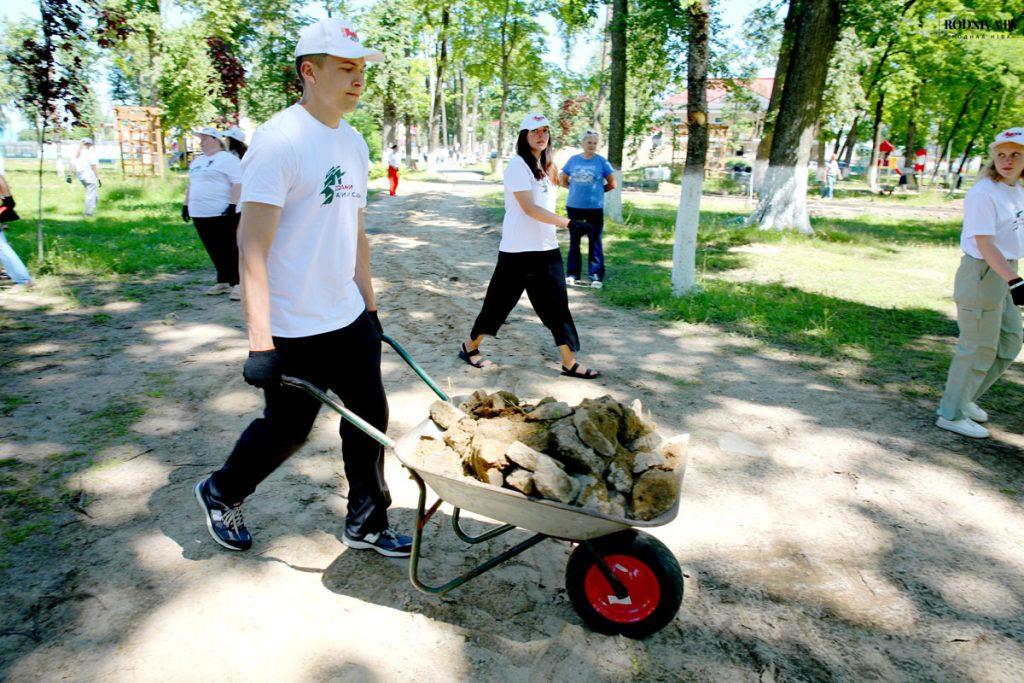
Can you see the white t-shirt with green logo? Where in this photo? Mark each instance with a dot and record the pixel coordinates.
(317, 175)
(996, 209)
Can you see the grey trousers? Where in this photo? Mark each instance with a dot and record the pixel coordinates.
(92, 192)
(990, 335)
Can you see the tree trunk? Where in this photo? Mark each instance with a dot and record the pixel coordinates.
(974, 136)
(684, 251)
(507, 45)
(41, 131)
(876, 129)
(463, 115)
(783, 203)
(851, 143)
(438, 102)
(473, 120)
(602, 83)
(409, 160)
(764, 145)
(946, 149)
(617, 104)
(389, 123)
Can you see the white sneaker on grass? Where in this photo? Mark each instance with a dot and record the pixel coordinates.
(596, 283)
(236, 293)
(964, 427)
(219, 288)
(571, 281)
(975, 413)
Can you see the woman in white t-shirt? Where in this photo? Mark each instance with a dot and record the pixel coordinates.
(87, 170)
(987, 289)
(211, 198)
(528, 257)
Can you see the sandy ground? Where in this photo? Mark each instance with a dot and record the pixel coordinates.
(827, 531)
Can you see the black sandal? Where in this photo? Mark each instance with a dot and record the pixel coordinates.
(467, 356)
(591, 373)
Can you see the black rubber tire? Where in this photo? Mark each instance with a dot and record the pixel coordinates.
(645, 548)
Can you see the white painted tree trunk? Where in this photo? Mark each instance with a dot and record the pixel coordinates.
(613, 200)
(783, 204)
(684, 251)
(760, 168)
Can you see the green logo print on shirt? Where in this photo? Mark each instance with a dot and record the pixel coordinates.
(332, 179)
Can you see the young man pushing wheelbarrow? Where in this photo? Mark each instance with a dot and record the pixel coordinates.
(308, 298)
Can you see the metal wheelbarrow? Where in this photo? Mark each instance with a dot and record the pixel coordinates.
(620, 581)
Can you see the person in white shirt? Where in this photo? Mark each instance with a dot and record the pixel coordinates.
(393, 162)
(87, 170)
(308, 296)
(987, 290)
(211, 195)
(528, 257)
(234, 142)
(831, 176)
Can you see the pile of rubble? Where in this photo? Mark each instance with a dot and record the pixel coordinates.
(601, 454)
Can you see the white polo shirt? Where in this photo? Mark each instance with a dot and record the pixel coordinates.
(519, 232)
(209, 183)
(996, 209)
(317, 175)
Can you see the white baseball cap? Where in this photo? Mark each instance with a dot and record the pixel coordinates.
(86, 141)
(235, 133)
(212, 132)
(1014, 135)
(334, 36)
(534, 121)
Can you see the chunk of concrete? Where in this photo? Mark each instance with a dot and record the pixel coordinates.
(521, 480)
(646, 460)
(522, 455)
(654, 493)
(555, 410)
(551, 482)
(589, 427)
(566, 444)
(445, 415)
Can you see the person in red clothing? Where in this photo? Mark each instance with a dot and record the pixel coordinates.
(393, 170)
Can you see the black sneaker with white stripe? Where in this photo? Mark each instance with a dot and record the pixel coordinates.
(224, 521)
(389, 542)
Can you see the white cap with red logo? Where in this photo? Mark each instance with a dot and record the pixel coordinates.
(534, 121)
(334, 36)
(1012, 135)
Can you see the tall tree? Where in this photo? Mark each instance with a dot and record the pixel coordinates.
(684, 274)
(617, 30)
(764, 146)
(783, 202)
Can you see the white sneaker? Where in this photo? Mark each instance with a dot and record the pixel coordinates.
(570, 281)
(596, 284)
(236, 293)
(975, 413)
(964, 427)
(219, 288)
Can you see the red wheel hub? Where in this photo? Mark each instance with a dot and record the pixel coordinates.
(640, 582)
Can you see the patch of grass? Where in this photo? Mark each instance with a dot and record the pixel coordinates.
(111, 423)
(8, 403)
(874, 292)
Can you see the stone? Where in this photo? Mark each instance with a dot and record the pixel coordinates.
(521, 480)
(618, 503)
(509, 398)
(646, 460)
(473, 401)
(551, 482)
(619, 475)
(588, 426)
(522, 455)
(491, 406)
(460, 437)
(494, 478)
(488, 455)
(675, 450)
(606, 413)
(654, 493)
(632, 427)
(650, 441)
(592, 493)
(566, 444)
(445, 415)
(555, 410)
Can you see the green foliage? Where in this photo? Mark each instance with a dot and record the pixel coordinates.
(363, 121)
(186, 85)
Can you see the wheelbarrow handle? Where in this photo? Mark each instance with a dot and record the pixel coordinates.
(361, 424)
(415, 367)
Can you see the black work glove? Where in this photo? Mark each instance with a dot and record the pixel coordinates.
(1017, 291)
(184, 213)
(230, 211)
(577, 224)
(67, 179)
(263, 369)
(376, 321)
(99, 183)
(8, 202)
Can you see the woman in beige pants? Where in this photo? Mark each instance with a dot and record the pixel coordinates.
(987, 290)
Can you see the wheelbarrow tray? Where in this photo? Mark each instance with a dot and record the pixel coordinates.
(547, 517)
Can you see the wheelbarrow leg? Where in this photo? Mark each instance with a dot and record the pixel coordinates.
(417, 544)
(482, 537)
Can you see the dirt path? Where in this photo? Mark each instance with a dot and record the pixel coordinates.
(827, 531)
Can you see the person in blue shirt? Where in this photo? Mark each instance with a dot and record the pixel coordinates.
(588, 176)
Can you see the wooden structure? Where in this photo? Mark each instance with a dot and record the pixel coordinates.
(141, 140)
(718, 148)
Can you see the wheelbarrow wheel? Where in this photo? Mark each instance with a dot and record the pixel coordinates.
(647, 570)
